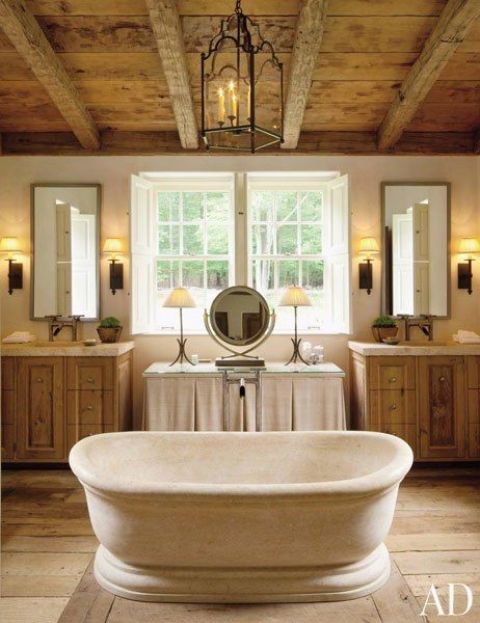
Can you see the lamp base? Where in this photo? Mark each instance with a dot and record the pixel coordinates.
(181, 353)
(296, 352)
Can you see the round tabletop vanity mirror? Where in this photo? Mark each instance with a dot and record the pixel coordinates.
(239, 316)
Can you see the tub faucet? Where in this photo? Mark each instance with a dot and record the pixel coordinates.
(423, 322)
(57, 323)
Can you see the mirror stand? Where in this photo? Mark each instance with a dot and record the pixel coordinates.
(243, 359)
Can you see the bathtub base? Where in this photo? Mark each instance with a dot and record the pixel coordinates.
(242, 585)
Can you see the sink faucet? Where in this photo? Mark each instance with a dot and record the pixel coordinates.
(423, 322)
(57, 323)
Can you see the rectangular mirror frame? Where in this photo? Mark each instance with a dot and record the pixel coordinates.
(32, 240)
(383, 186)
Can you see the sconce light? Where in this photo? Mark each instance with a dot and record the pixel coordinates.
(113, 248)
(368, 247)
(469, 247)
(11, 247)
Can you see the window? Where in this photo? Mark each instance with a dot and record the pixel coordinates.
(285, 247)
(297, 232)
(195, 238)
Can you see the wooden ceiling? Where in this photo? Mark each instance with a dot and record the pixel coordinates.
(122, 76)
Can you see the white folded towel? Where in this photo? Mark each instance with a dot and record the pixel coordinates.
(466, 337)
(19, 337)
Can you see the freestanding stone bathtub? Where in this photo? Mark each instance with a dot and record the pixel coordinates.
(241, 517)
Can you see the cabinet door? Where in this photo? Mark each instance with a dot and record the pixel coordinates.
(442, 407)
(40, 405)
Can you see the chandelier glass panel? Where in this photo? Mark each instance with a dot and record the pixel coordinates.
(242, 88)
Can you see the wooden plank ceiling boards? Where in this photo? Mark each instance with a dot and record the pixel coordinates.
(23, 30)
(133, 68)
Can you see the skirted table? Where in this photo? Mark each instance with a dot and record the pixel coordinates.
(280, 398)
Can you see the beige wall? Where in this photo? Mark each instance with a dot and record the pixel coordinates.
(113, 173)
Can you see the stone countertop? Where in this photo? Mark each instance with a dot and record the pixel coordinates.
(413, 348)
(160, 368)
(65, 349)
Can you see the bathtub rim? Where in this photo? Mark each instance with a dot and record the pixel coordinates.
(380, 480)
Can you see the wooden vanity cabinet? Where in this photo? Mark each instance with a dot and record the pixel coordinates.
(50, 403)
(430, 401)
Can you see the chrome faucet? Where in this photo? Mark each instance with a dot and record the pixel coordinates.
(57, 323)
(423, 322)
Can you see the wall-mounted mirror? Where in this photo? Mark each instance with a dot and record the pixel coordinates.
(416, 248)
(65, 225)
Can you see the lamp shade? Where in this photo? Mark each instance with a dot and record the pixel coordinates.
(369, 245)
(112, 245)
(179, 297)
(9, 245)
(469, 245)
(294, 296)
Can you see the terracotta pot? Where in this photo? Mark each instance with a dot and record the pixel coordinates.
(380, 333)
(109, 334)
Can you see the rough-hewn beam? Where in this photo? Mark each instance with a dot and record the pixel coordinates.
(453, 24)
(167, 29)
(23, 30)
(157, 143)
(308, 38)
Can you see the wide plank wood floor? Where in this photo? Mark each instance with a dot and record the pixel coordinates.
(48, 544)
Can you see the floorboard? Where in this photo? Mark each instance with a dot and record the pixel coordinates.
(47, 547)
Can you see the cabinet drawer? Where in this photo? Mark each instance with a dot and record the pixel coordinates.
(89, 407)
(393, 406)
(89, 373)
(392, 373)
(8, 372)
(76, 433)
(407, 432)
(473, 372)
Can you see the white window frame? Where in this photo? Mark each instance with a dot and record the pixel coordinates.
(335, 244)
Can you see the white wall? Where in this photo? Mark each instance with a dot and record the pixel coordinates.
(366, 173)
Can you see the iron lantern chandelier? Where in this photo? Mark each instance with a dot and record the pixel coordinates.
(242, 88)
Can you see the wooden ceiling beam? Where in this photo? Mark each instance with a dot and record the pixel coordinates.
(158, 143)
(21, 27)
(453, 24)
(167, 29)
(308, 38)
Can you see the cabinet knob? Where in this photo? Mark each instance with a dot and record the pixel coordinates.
(393, 407)
(90, 379)
(442, 379)
(39, 379)
(392, 379)
(89, 408)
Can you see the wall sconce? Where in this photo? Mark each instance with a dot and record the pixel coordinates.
(469, 247)
(368, 247)
(11, 247)
(113, 248)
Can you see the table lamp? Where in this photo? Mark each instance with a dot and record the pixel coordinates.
(294, 296)
(180, 297)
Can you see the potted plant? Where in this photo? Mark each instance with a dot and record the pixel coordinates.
(109, 329)
(384, 327)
